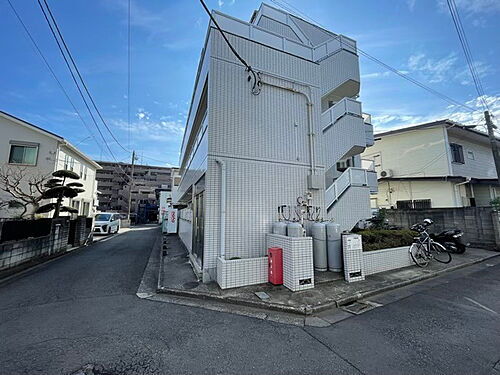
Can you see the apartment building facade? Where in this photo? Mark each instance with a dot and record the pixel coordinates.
(433, 165)
(38, 152)
(113, 185)
(250, 147)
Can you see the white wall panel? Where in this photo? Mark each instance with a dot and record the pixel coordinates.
(337, 69)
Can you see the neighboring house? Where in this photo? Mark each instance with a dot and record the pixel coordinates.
(244, 153)
(438, 164)
(40, 152)
(113, 185)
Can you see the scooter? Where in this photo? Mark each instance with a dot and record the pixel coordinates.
(451, 240)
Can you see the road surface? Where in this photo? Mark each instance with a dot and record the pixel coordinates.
(82, 309)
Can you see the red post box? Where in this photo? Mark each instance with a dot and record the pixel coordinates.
(275, 263)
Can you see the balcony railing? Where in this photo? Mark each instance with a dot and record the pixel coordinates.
(338, 110)
(266, 37)
(367, 118)
(351, 177)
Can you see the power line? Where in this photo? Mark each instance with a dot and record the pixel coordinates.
(75, 80)
(128, 74)
(462, 36)
(387, 66)
(256, 77)
(58, 31)
(44, 59)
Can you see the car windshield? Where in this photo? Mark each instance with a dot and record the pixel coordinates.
(102, 217)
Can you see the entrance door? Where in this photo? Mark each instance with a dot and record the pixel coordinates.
(199, 225)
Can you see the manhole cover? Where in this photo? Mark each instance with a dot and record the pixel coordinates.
(358, 307)
(190, 285)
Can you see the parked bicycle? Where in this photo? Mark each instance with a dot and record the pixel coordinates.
(424, 248)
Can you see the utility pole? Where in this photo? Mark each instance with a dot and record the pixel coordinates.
(493, 142)
(131, 184)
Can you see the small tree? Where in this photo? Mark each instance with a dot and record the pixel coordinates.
(495, 203)
(58, 189)
(23, 188)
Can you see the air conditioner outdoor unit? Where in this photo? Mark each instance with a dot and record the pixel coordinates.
(386, 173)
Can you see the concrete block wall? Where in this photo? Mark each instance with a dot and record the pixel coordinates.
(14, 253)
(476, 222)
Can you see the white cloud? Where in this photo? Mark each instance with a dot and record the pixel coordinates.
(445, 69)
(142, 114)
(390, 121)
(473, 6)
(411, 4)
(435, 70)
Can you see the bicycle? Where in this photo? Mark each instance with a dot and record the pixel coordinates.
(424, 248)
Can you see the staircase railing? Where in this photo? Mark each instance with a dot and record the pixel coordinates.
(351, 177)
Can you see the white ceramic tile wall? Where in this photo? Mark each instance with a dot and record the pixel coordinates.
(297, 260)
(352, 251)
(263, 141)
(337, 69)
(240, 272)
(352, 206)
(345, 136)
(386, 260)
(186, 227)
(278, 27)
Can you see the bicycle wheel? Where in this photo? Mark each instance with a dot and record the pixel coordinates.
(419, 255)
(439, 253)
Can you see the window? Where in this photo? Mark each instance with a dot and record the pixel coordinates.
(84, 173)
(66, 161)
(414, 204)
(470, 155)
(23, 154)
(86, 208)
(457, 153)
(71, 164)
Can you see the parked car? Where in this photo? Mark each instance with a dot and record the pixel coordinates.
(106, 223)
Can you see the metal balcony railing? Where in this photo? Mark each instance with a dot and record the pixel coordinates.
(346, 106)
(351, 177)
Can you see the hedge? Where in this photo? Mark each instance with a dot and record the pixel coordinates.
(376, 239)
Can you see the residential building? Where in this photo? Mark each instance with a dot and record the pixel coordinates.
(252, 143)
(38, 152)
(437, 164)
(113, 186)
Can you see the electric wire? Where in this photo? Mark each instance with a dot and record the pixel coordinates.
(387, 66)
(75, 81)
(52, 72)
(128, 70)
(256, 77)
(58, 31)
(462, 36)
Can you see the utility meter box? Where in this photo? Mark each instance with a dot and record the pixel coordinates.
(352, 249)
(171, 220)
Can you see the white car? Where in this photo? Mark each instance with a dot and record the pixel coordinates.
(106, 223)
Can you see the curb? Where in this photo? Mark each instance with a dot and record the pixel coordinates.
(362, 295)
(305, 310)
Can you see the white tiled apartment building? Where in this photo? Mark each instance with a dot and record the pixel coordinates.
(243, 155)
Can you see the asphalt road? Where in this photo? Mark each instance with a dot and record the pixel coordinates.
(82, 309)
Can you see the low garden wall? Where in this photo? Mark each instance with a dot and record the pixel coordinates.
(386, 259)
(16, 252)
(240, 272)
(477, 223)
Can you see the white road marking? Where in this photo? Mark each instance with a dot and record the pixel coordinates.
(482, 306)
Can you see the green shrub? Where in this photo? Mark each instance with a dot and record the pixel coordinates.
(376, 239)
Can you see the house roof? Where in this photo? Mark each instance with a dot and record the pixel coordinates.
(55, 136)
(445, 122)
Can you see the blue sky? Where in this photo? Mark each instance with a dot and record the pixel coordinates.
(415, 36)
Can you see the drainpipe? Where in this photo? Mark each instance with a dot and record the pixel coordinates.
(222, 219)
(460, 183)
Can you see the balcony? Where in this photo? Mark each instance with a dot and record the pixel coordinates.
(344, 131)
(370, 140)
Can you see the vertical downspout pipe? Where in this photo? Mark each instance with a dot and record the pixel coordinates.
(222, 224)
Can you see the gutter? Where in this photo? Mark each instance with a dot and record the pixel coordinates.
(222, 219)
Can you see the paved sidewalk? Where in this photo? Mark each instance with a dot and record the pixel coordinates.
(176, 277)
